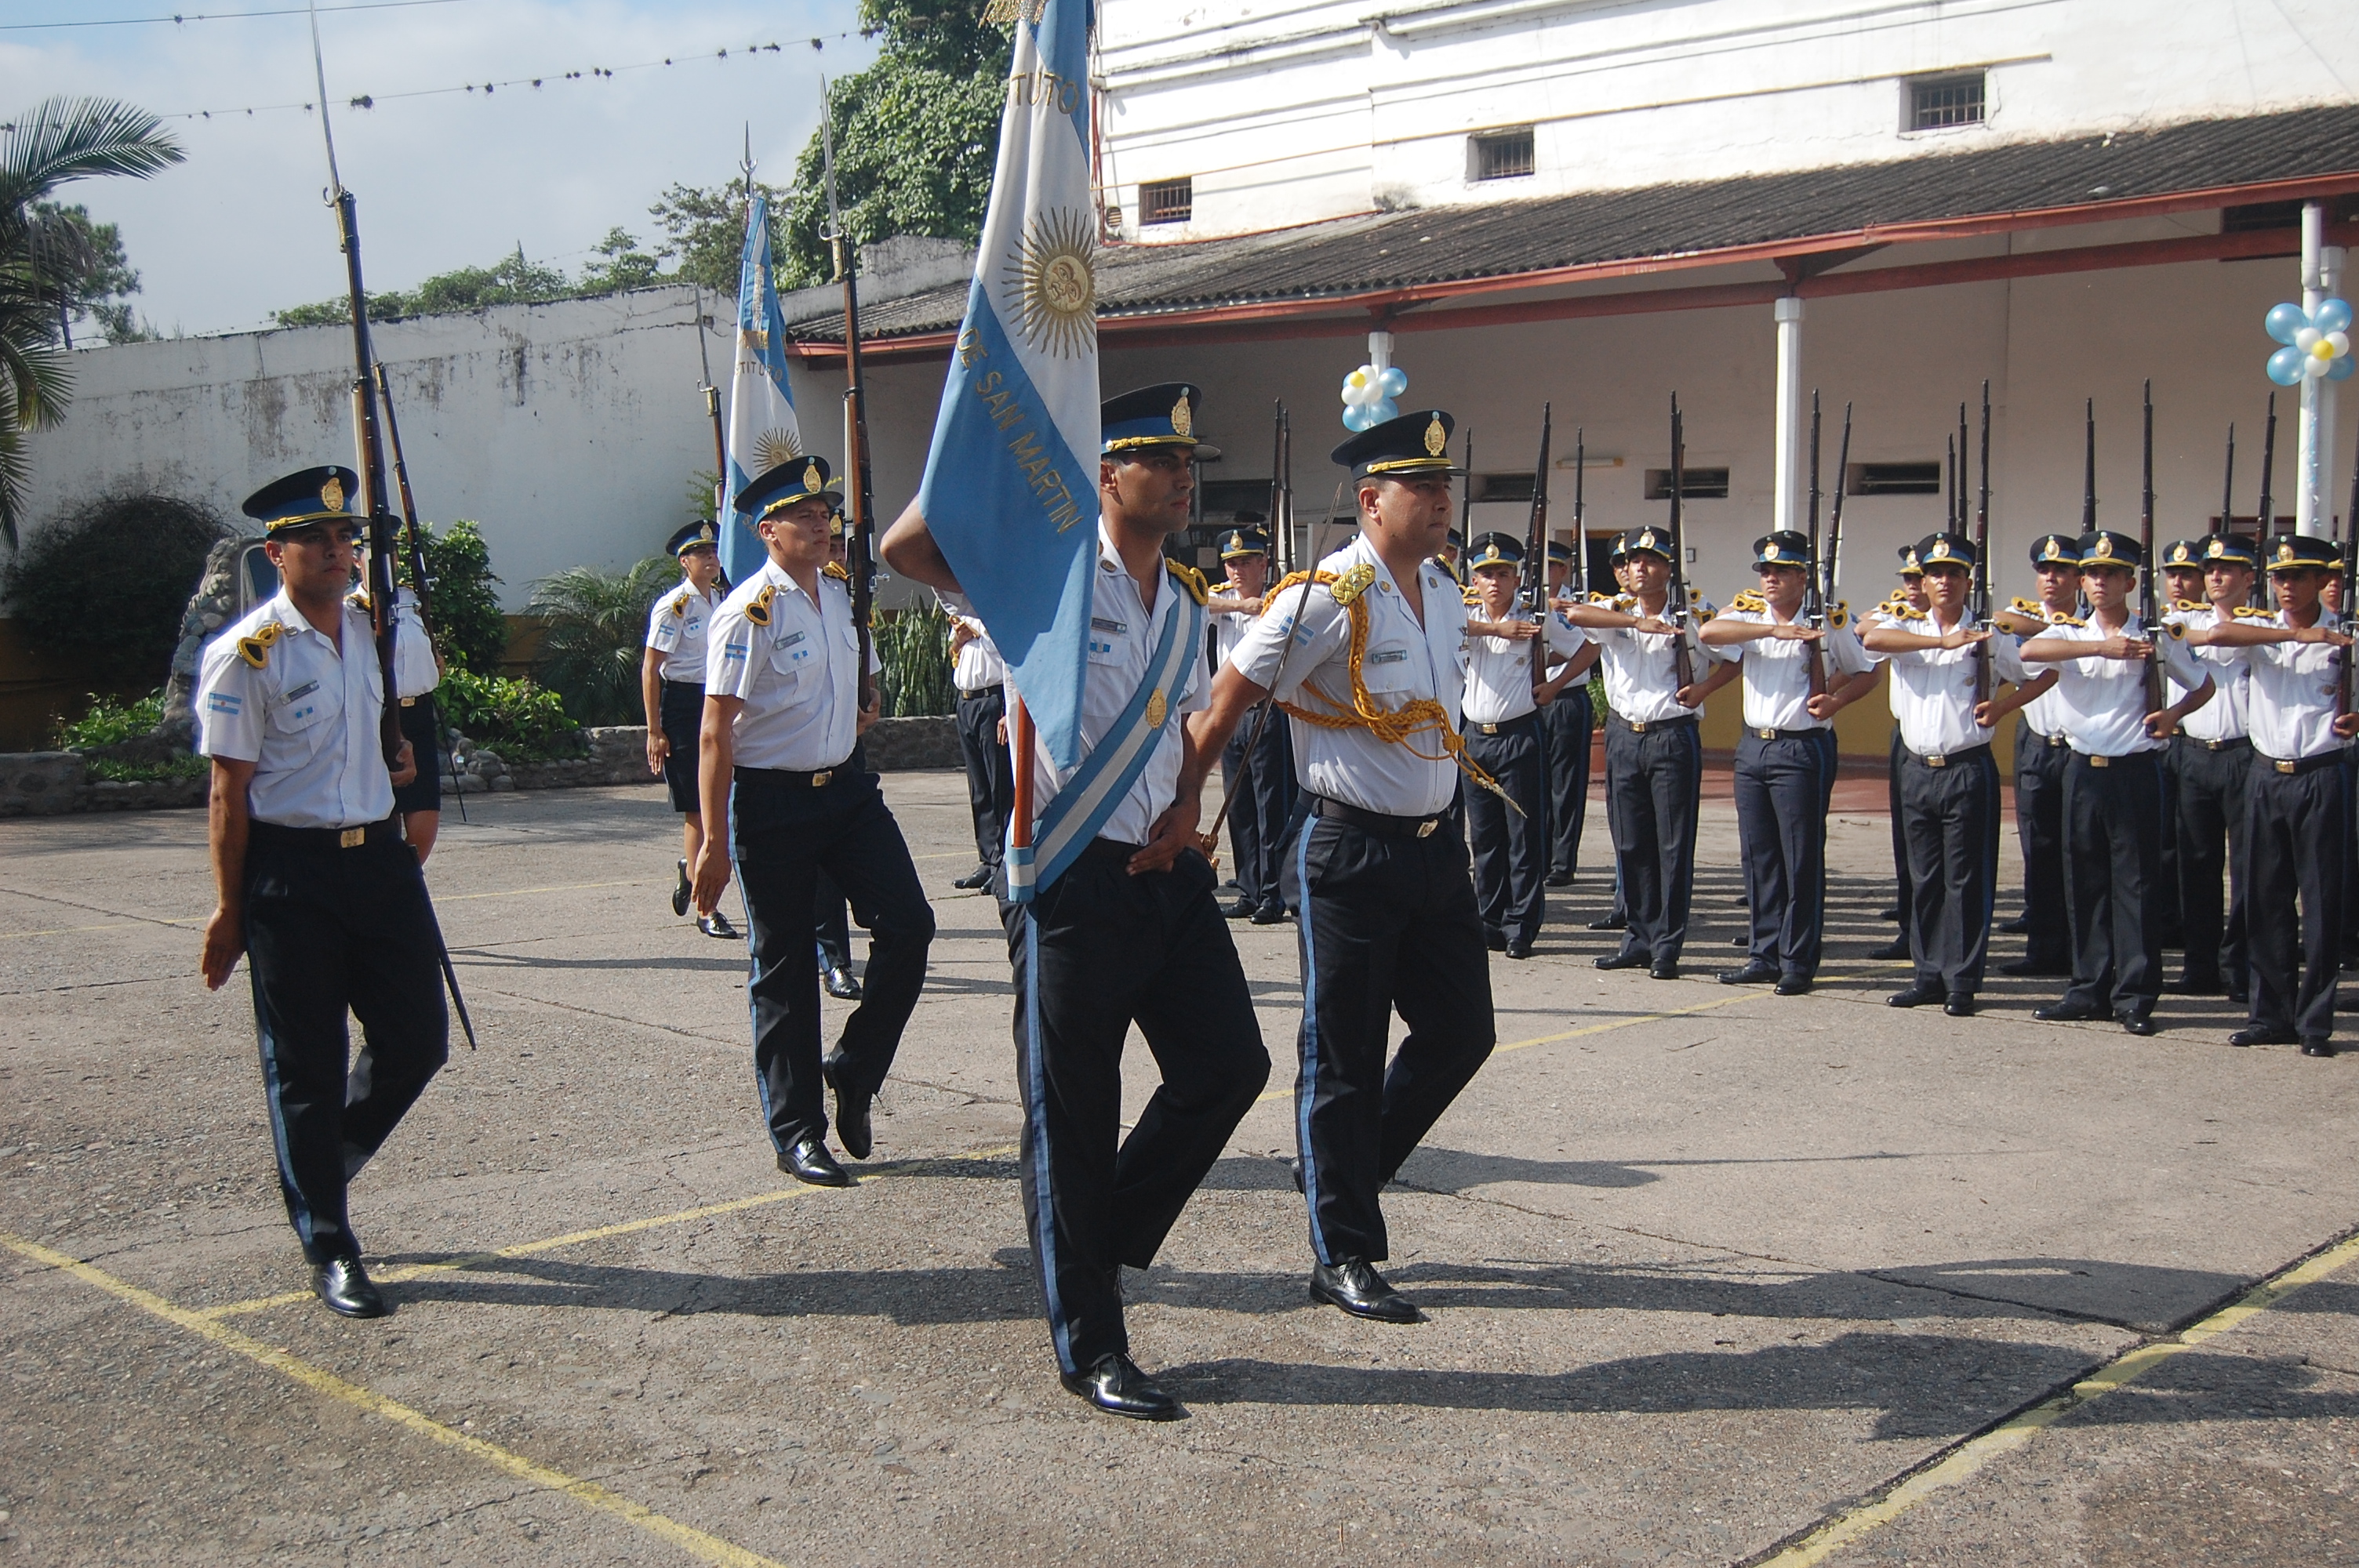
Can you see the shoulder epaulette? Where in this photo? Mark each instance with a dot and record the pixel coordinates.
(758, 609)
(2176, 628)
(1839, 614)
(2060, 618)
(680, 605)
(359, 600)
(2253, 612)
(1748, 600)
(1353, 583)
(1189, 578)
(1470, 596)
(255, 647)
(2028, 607)
(2188, 606)
(835, 569)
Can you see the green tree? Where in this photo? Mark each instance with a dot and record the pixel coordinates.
(625, 266)
(138, 557)
(511, 280)
(62, 140)
(470, 632)
(95, 279)
(597, 624)
(915, 134)
(704, 231)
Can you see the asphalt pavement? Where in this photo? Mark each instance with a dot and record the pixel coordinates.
(1714, 1277)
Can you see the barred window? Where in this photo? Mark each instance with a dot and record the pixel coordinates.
(1895, 479)
(1167, 201)
(1501, 155)
(1937, 102)
(1695, 484)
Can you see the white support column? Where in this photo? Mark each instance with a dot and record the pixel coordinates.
(2322, 273)
(1786, 510)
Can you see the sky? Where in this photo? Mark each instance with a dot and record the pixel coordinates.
(444, 179)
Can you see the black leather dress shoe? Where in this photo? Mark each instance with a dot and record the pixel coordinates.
(1917, 995)
(1896, 948)
(1354, 1284)
(841, 982)
(1117, 1387)
(1753, 974)
(1558, 879)
(2261, 1035)
(1609, 923)
(2017, 926)
(1237, 909)
(1623, 961)
(810, 1161)
(1496, 940)
(1663, 969)
(2318, 1047)
(1793, 985)
(1960, 1004)
(2066, 1012)
(1740, 940)
(1270, 914)
(679, 892)
(978, 878)
(852, 1128)
(1518, 949)
(345, 1287)
(2138, 1023)
(2193, 985)
(1890, 912)
(2033, 967)
(717, 924)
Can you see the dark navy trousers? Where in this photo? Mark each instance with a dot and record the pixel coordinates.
(783, 834)
(2296, 826)
(328, 931)
(1654, 779)
(2113, 822)
(1096, 951)
(1951, 817)
(1783, 784)
(1565, 725)
(1511, 844)
(1386, 924)
(2209, 824)
(2039, 828)
(990, 774)
(1260, 804)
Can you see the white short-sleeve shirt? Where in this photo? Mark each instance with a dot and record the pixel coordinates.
(1499, 670)
(307, 718)
(2102, 702)
(1778, 673)
(1642, 678)
(2225, 717)
(677, 629)
(2293, 692)
(1932, 689)
(798, 675)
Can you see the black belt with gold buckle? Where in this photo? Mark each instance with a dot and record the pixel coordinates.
(1640, 726)
(789, 776)
(323, 837)
(2303, 765)
(1943, 759)
(1375, 821)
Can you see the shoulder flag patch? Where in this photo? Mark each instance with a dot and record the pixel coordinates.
(255, 649)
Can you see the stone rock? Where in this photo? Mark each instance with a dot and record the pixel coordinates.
(895, 745)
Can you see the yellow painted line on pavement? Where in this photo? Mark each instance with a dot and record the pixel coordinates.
(442, 898)
(694, 1542)
(1970, 1458)
(561, 887)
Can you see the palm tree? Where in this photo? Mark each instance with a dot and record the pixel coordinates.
(63, 139)
(597, 623)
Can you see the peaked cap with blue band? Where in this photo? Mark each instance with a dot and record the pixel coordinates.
(700, 535)
(1163, 416)
(2050, 549)
(1415, 446)
(1496, 550)
(1558, 555)
(2187, 554)
(2103, 547)
(1238, 542)
(313, 495)
(2233, 549)
(1648, 540)
(1909, 565)
(2292, 552)
(775, 489)
(1944, 550)
(1782, 547)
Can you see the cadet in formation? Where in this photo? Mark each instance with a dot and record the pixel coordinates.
(782, 718)
(1258, 764)
(2213, 758)
(1797, 679)
(1566, 724)
(1365, 655)
(1908, 599)
(2041, 752)
(1122, 926)
(1508, 687)
(2113, 782)
(314, 885)
(671, 688)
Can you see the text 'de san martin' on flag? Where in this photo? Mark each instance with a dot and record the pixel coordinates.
(762, 428)
(1010, 491)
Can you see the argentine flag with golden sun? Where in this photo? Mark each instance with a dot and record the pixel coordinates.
(763, 432)
(1011, 486)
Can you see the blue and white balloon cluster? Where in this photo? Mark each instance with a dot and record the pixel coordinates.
(1368, 394)
(2316, 345)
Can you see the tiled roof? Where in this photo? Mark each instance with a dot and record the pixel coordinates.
(1347, 257)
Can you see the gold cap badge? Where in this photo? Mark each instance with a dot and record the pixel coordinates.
(331, 494)
(2103, 551)
(1436, 439)
(1183, 418)
(2054, 551)
(2216, 548)
(2285, 551)
(1769, 551)
(810, 477)
(1939, 552)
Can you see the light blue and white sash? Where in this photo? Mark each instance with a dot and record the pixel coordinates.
(1114, 764)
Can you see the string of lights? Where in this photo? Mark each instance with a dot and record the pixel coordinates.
(181, 18)
(488, 88)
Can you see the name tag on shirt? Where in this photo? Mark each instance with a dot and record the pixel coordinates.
(1386, 657)
(1111, 628)
(306, 689)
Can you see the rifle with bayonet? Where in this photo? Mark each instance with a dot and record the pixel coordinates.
(1536, 552)
(413, 550)
(2264, 510)
(860, 496)
(2158, 695)
(2089, 482)
(1832, 592)
(1466, 506)
(1814, 602)
(2348, 699)
(1278, 523)
(1978, 605)
(1580, 516)
(1675, 609)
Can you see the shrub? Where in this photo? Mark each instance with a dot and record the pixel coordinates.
(110, 723)
(470, 632)
(591, 654)
(915, 647)
(516, 719)
(107, 582)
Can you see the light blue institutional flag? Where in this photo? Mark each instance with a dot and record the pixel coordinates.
(1010, 491)
(763, 432)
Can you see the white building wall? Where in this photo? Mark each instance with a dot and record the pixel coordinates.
(1284, 114)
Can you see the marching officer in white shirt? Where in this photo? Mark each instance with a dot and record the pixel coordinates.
(1654, 757)
(314, 883)
(1908, 599)
(1367, 655)
(2213, 755)
(2041, 752)
(2296, 814)
(1797, 679)
(782, 717)
(1949, 781)
(1258, 764)
(671, 686)
(2113, 782)
(1121, 926)
(1566, 724)
(981, 676)
(1505, 699)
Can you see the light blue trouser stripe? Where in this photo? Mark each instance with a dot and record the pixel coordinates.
(1307, 1090)
(303, 1227)
(752, 961)
(1035, 1080)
